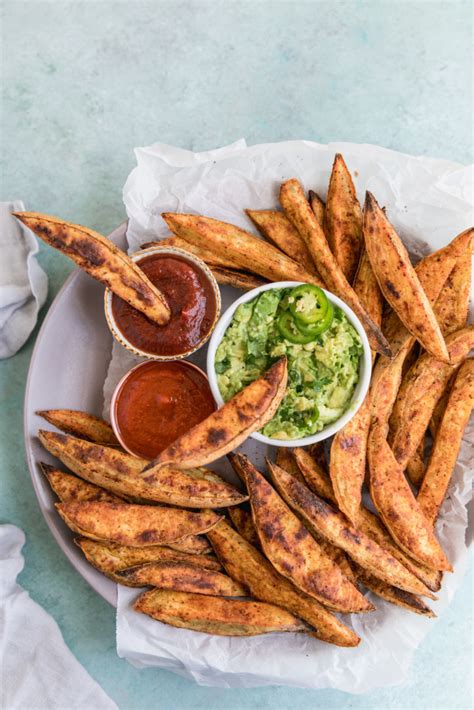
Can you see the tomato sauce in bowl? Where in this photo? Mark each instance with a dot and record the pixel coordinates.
(156, 402)
(192, 295)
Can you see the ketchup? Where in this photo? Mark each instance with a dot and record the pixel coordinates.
(158, 402)
(190, 297)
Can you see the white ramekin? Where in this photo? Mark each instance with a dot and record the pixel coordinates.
(365, 367)
(186, 256)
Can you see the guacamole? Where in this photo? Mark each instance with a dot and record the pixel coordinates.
(322, 374)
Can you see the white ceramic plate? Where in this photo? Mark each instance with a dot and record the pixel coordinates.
(68, 369)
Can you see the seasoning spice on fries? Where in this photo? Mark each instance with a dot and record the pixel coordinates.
(294, 552)
(280, 557)
(447, 442)
(216, 615)
(343, 219)
(100, 258)
(247, 565)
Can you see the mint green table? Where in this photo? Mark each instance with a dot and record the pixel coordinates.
(84, 83)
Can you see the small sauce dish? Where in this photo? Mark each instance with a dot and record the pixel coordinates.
(192, 293)
(155, 402)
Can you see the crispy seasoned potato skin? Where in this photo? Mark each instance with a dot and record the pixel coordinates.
(343, 219)
(396, 596)
(432, 272)
(451, 307)
(447, 442)
(298, 211)
(134, 525)
(333, 526)
(224, 430)
(277, 228)
(294, 552)
(347, 461)
(216, 615)
(242, 280)
(243, 523)
(319, 482)
(110, 558)
(318, 206)
(180, 576)
(247, 565)
(212, 258)
(240, 248)
(120, 472)
(422, 387)
(398, 280)
(102, 260)
(398, 508)
(81, 424)
(71, 488)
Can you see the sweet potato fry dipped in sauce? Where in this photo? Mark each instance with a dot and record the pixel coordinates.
(191, 299)
(158, 402)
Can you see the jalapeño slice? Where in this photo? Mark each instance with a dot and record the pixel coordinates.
(320, 327)
(288, 329)
(308, 304)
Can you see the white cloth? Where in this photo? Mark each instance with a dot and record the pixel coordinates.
(23, 283)
(37, 670)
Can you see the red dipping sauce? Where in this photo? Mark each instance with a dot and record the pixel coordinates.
(192, 301)
(156, 402)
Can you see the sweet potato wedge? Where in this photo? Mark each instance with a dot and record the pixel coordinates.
(397, 506)
(224, 430)
(248, 566)
(109, 558)
(398, 280)
(71, 488)
(318, 206)
(395, 596)
(343, 219)
(367, 288)
(216, 615)
(277, 228)
(212, 258)
(420, 390)
(294, 552)
(120, 472)
(242, 249)
(447, 442)
(242, 521)
(348, 459)
(193, 545)
(318, 481)
(333, 526)
(416, 465)
(432, 272)
(285, 459)
(300, 214)
(100, 258)
(451, 307)
(134, 525)
(182, 577)
(81, 424)
(237, 279)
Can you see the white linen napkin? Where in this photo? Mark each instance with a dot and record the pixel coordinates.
(23, 283)
(37, 670)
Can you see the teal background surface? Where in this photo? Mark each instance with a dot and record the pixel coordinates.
(85, 82)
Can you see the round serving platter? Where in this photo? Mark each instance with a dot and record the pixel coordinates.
(67, 370)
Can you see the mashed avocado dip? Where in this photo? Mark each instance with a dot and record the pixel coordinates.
(322, 373)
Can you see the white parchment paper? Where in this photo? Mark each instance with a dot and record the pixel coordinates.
(429, 201)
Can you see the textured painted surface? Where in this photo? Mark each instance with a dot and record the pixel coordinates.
(83, 83)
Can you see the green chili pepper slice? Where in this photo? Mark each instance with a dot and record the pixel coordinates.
(308, 304)
(288, 329)
(321, 326)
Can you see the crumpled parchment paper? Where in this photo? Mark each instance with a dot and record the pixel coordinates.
(429, 202)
